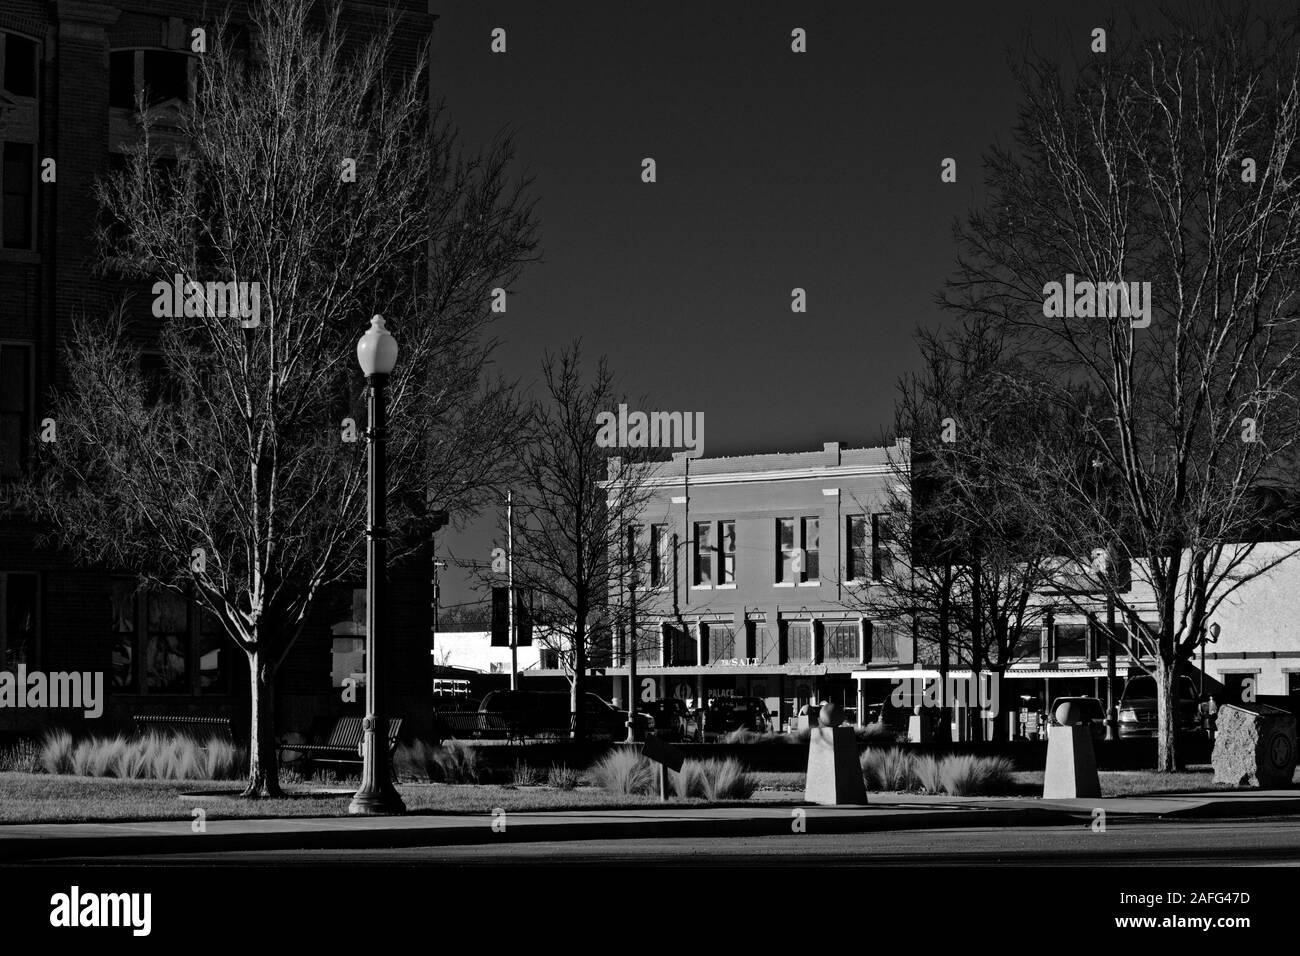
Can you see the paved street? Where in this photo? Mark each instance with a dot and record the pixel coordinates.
(1260, 841)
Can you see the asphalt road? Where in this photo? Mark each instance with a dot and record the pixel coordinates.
(1259, 841)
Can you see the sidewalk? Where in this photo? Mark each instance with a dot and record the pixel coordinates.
(892, 812)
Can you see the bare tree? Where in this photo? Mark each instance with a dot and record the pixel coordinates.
(964, 557)
(1156, 186)
(578, 545)
(236, 481)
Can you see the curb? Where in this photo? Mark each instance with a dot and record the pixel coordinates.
(20, 848)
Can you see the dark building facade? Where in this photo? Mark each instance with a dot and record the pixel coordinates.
(69, 75)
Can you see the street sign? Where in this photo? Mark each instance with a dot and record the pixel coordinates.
(660, 752)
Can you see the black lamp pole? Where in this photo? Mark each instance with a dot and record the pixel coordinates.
(376, 795)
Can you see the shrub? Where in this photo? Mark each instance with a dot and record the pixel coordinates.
(965, 775)
(624, 771)
(926, 774)
(524, 775)
(143, 758)
(874, 733)
(22, 757)
(562, 778)
(714, 780)
(56, 752)
(416, 761)
(889, 769)
(457, 763)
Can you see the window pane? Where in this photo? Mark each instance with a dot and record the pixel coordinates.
(20, 621)
(766, 643)
(20, 65)
(165, 656)
(647, 645)
(881, 562)
(857, 549)
(123, 598)
(884, 643)
(214, 656)
(703, 553)
(121, 79)
(799, 642)
(1027, 644)
(681, 646)
(1071, 640)
(841, 643)
(785, 546)
(728, 549)
(166, 76)
(722, 642)
(812, 549)
(18, 171)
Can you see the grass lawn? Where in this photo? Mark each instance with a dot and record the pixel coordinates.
(42, 798)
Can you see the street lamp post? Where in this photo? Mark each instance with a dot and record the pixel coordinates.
(377, 355)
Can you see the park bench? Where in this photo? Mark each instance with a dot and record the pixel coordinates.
(343, 745)
(197, 728)
(477, 725)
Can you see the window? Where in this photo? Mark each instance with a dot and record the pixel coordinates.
(841, 644)
(19, 167)
(785, 550)
(798, 550)
(1028, 645)
(166, 657)
(165, 643)
(18, 55)
(857, 553)
(348, 647)
(799, 642)
(811, 549)
(124, 635)
(660, 555)
(18, 620)
(882, 562)
(767, 644)
(703, 554)
(727, 552)
(15, 408)
(214, 655)
(161, 74)
(648, 641)
(722, 642)
(1071, 640)
(681, 646)
(884, 643)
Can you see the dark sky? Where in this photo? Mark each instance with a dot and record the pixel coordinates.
(775, 170)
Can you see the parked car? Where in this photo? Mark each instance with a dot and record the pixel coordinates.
(1137, 707)
(672, 720)
(533, 713)
(722, 715)
(1092, 710)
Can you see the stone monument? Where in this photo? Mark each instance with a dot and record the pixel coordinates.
(1071, 766)
(1254, 746)
(834, 774)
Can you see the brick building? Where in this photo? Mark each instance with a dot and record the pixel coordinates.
(69, 74)
(730, 611)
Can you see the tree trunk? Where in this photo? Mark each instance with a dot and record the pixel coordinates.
(263, 761)
(1166, 716)
(578, 689)
(944, 731)
(1001, 733)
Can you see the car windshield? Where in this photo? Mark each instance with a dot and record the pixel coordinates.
(1140, 688)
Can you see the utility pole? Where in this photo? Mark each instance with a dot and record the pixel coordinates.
(631, 640)
(510, 588)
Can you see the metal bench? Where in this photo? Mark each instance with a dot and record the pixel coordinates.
(344, 743)
(198, 728)
(477, 725)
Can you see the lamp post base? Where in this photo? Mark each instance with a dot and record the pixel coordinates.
(376, 801)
